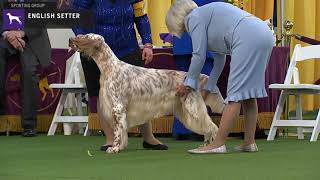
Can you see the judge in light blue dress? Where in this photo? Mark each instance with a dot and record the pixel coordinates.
(182, 54)
(225, 29)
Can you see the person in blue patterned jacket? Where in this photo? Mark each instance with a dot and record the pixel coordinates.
(114, 20)
(182, 53)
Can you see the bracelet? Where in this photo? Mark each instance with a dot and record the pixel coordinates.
(188, 88)
(148, 46)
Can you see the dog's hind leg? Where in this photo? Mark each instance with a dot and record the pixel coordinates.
(192, 112)
(120, 129)
(215, 101)
(210, 130)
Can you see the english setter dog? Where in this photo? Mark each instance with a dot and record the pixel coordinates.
(131, 95)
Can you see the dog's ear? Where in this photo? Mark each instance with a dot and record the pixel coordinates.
(98, 44)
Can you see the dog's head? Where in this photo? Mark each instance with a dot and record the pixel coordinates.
(89, 44)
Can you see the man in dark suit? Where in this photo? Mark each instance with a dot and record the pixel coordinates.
(33, 48)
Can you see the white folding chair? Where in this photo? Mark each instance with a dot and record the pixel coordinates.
(71, 87)
(297, 89)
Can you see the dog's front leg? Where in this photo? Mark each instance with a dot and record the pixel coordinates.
(120, 129)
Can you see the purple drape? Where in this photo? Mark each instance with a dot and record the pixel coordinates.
(163, 59)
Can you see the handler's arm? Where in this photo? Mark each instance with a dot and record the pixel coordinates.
(141, 20)
(79, 5)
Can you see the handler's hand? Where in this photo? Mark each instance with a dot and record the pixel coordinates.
(147, 54)
(182, 90)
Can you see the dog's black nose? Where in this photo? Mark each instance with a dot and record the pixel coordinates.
(71, 42)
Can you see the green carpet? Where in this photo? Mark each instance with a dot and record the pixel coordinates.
(65, 157)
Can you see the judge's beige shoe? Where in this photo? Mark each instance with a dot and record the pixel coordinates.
(247, 148)
(219, 150)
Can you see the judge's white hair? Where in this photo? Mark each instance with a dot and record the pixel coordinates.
(176, 14)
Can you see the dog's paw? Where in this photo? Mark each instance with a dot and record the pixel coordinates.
(207, 142)
(209, 139)
(112, 150)
(124, 145)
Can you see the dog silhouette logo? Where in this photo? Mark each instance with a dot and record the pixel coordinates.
(13, 19)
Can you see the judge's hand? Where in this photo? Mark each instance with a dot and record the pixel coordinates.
(182, 90)
(204, 94)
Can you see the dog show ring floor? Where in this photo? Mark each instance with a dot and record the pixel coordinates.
(78, 158)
